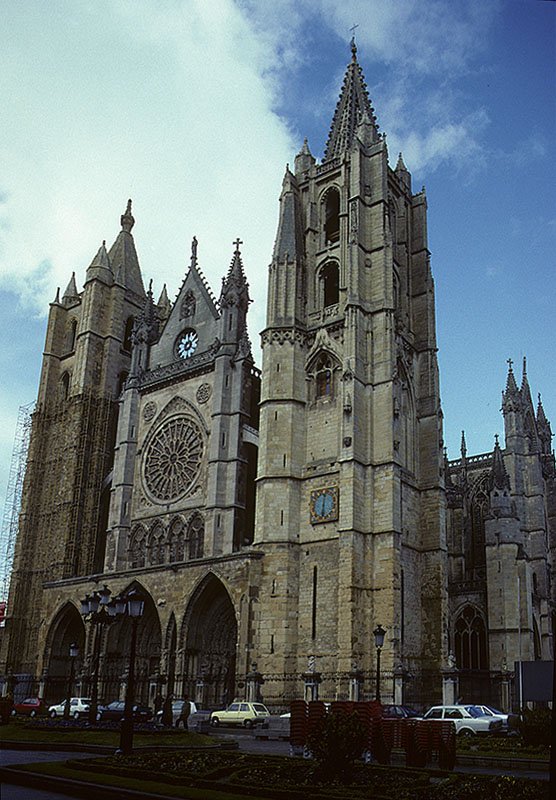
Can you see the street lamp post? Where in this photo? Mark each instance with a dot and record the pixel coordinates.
(135, 608)
(379, 633)
(74, 652)
(100, 611)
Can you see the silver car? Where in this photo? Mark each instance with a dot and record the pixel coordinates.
(177, 708)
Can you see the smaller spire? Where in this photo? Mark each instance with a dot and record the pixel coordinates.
(235, 288)
(463, 447)
(100, 267)
(304, 160)
(56, 300)
(71, 295)
(511, 385)
(127, 220)
(499, 478)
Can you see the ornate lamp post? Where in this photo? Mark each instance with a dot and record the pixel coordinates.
(135, 606)
(74, 652)
(379, 633)
(99, 610)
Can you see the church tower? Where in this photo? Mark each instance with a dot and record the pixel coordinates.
(350, 498)
(66, 491)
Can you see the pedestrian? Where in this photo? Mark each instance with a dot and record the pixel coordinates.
(167, 713)
(184, 714)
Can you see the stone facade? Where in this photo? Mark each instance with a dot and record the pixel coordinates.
(276, 517)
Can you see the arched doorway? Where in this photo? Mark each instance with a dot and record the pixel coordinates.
(208, 643)
(67, 628)
(115, 662)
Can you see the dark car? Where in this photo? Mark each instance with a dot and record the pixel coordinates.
(399, 712)
(30, 707)
(115, 711)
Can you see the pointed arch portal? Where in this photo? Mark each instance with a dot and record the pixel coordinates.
(67, 628)
(208, 642)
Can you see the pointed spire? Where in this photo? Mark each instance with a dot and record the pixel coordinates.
(304, 160)
(123, 257)
(127, 220)
(100, 266)
(351, 108)
(194, 253)
(289, 236)
(499, 478)
(56, 300)
(544, 429)
(164, 305)
(71, 295)
(525, 390)
(463, 447)
(235, 289)
(403, 173)
(511, 398)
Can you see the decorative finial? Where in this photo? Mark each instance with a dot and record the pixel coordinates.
(126, 219)
(496, 440)
(237, 244)
(510, 363)
(524, 366)
(104, 242)
(151, 286)
(352, 43)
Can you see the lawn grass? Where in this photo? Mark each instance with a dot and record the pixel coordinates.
(21, 732)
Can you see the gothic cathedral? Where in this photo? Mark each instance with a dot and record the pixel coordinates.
(273, 518)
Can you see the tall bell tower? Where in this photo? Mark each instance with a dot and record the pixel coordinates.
(350, 498)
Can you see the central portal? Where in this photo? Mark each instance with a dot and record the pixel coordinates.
(209, 642)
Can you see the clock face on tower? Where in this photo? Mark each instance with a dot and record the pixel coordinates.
(186, 343)
(323, 504)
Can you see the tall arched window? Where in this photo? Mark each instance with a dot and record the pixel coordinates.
(537, 648)
(128, 330)
(176, 541)
(478, 511)
(157, 544)
(65, 382)
(470, 640)
(137, 547)
(72, 335)
(332, 216)
(330, 284)
(121, 381)
(196, 537)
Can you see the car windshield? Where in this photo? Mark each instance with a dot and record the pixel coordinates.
(474, 711)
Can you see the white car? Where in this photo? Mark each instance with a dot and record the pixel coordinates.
(509, 721)
(240, 713)
(469, 720)
(79, 707)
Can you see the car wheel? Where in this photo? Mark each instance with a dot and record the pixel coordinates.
(76, 714)
(33, 713)
(247, 723)
(215, 722)
(52, 715)
(465, 733)
(99, 716)
(13, 712)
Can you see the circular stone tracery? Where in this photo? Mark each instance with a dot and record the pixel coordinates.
(173, 459)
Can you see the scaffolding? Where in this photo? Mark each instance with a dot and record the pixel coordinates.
(12, 505)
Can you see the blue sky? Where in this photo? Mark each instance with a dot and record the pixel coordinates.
(193, 109)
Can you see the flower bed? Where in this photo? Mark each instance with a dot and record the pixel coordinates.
(294, 779)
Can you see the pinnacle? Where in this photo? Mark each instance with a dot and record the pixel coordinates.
(353, 108)
(127, 220)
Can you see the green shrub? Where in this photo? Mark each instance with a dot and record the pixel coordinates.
(336, 743)
(535, 726)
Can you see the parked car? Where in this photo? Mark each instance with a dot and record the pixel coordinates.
(509, 721)
(177, 708)
(30, 707)
(246, 714)
(115, 711)
(79, 707)
(469, 720)
(399, 712)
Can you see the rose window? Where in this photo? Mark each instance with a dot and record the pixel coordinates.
(173, 459)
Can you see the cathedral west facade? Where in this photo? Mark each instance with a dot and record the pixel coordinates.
(274, 517)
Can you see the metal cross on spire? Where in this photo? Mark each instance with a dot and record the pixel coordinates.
(509, 362)
(237, 244)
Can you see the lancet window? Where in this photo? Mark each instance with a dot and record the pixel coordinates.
(196, 536)
(137, 547)
(157, 545)
(331, 216)
(470, 640)
(176, 541)
(329, 280)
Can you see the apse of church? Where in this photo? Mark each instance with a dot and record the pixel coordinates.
(272, 519)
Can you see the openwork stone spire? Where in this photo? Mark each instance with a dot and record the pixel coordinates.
(352, 108)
